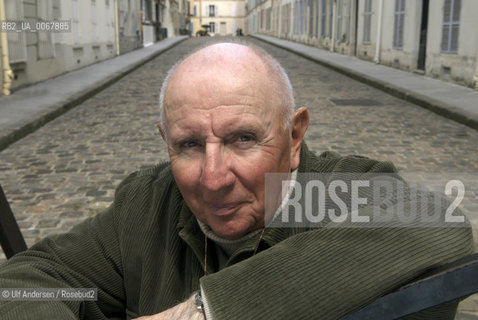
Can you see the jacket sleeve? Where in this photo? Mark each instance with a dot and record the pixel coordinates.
(329, 272)
(86, 257)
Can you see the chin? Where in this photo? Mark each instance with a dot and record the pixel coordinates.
(230, 234)
(235, 232)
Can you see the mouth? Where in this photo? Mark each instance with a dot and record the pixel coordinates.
(224, 209)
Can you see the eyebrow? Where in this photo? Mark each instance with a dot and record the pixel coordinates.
(192, 134)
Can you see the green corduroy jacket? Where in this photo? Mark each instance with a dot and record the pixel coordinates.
(145, 255)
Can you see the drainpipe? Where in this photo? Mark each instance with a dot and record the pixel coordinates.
(116, 28)
(378, 44)
(7, 71)
(334, 26)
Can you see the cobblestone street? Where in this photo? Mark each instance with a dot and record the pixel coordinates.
(68, 170)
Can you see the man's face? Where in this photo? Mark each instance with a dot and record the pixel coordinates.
(225, 131)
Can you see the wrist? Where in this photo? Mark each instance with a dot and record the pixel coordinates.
(198, 302)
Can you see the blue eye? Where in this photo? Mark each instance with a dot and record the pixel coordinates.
(244, 138)
(190, 144)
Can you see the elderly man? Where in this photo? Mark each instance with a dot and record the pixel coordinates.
(198, 222)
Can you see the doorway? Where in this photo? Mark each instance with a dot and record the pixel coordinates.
(422, 50)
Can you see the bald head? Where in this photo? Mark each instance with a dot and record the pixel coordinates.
(226, 67)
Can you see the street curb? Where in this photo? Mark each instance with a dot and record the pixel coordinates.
(76, 99)
(436, 106)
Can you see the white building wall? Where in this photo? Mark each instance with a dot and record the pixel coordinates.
(367, 50)
(227, 12)
(167, 21)
(462, 66)
(405, 58)
(92, 39)
(129, 24)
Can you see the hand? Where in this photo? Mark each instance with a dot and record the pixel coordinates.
(183, 311)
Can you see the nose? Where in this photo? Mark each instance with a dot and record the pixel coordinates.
(216, 174)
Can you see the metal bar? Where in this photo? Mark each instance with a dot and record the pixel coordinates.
(11, 237)
(454, 281)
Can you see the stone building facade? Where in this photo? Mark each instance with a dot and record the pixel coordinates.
(224, 17)
(100, 29)
(432, 37)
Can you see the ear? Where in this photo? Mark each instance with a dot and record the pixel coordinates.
(299, 124)
(161, 131)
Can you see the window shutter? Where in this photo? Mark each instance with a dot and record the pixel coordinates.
(451, 26)
(16, 40)
(399, 24)
(367, 21)
(338, 35)
(444, 38)
(46, 49)
(456, 10)
(455, 29)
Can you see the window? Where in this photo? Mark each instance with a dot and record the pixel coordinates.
(338, 35)
(299, 17)
(195, 11)
(304, 17)
(94, 34)
(75, 23)
(285, 19)
(234, 10)
(212, 27)
(46, 49)
(223, 28)
(399, 24)
(331, 17)
(323, 17)
(212, 10)
(261, 21)
(367, 21)
(275, 22)
(347, 21)
(311, 18)
(148, 14)
(16, 40)
(451, 26)
(317, 15)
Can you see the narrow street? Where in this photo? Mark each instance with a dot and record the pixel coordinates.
(68, 170)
